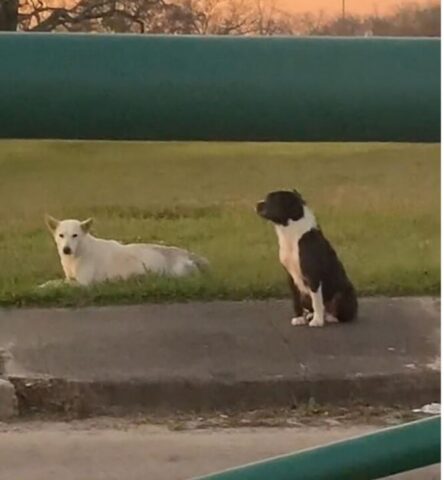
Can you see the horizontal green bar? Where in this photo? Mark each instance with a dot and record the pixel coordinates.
(387, 452)
(76, 86)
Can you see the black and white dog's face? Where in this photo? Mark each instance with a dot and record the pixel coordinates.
(281, 206)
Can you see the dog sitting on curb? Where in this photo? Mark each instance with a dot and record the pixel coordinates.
(320, 287)
(86, 259)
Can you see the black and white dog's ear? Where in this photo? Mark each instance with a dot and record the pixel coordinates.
(298, 195)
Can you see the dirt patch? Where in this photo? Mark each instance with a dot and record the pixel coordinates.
(304, 416)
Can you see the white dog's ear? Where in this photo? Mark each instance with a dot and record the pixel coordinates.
(86, 225)
(51, 222)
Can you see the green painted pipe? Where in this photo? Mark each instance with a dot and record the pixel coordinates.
(219, 88)
(387, 452)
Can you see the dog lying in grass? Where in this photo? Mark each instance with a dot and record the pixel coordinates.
(87, 260)
(320, 287)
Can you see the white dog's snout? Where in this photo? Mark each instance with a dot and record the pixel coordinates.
(66, 249)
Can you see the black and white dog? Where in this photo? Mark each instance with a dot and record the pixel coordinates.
(320, 287)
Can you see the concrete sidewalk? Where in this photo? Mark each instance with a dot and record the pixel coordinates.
(219, 355)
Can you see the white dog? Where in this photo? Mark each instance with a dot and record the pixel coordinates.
(86, 259)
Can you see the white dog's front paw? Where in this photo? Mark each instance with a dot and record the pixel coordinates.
(297, 321)
(50, 284)
(55, 284)
(317, 321)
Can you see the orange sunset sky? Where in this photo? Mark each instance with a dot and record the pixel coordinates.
(335, 6)
(331, 7)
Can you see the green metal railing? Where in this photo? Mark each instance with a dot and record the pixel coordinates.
(73, 86)
(386, 452)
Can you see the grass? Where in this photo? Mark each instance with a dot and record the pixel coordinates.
(378, 203)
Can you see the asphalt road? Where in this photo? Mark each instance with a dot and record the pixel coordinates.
(116, 450)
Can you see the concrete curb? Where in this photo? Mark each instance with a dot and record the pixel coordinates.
(8, 400)
(80, 398)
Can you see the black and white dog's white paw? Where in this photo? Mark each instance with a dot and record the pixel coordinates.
(298, 321)
(317, 321)
(329, 318)
(309, 318)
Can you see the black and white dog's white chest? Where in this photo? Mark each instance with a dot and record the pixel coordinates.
(289, 237)
(289, 256)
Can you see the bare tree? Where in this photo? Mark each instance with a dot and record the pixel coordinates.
(348, 26)
(269, 20)
(235, 17)
(408, 19)
(218, 17)
(308, 23)
(173, 16)
(79, 15)
(9, 15)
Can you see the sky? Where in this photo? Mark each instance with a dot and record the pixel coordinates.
(335, 6)
(330, 7)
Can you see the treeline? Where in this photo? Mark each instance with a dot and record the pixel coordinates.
(216, 17)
